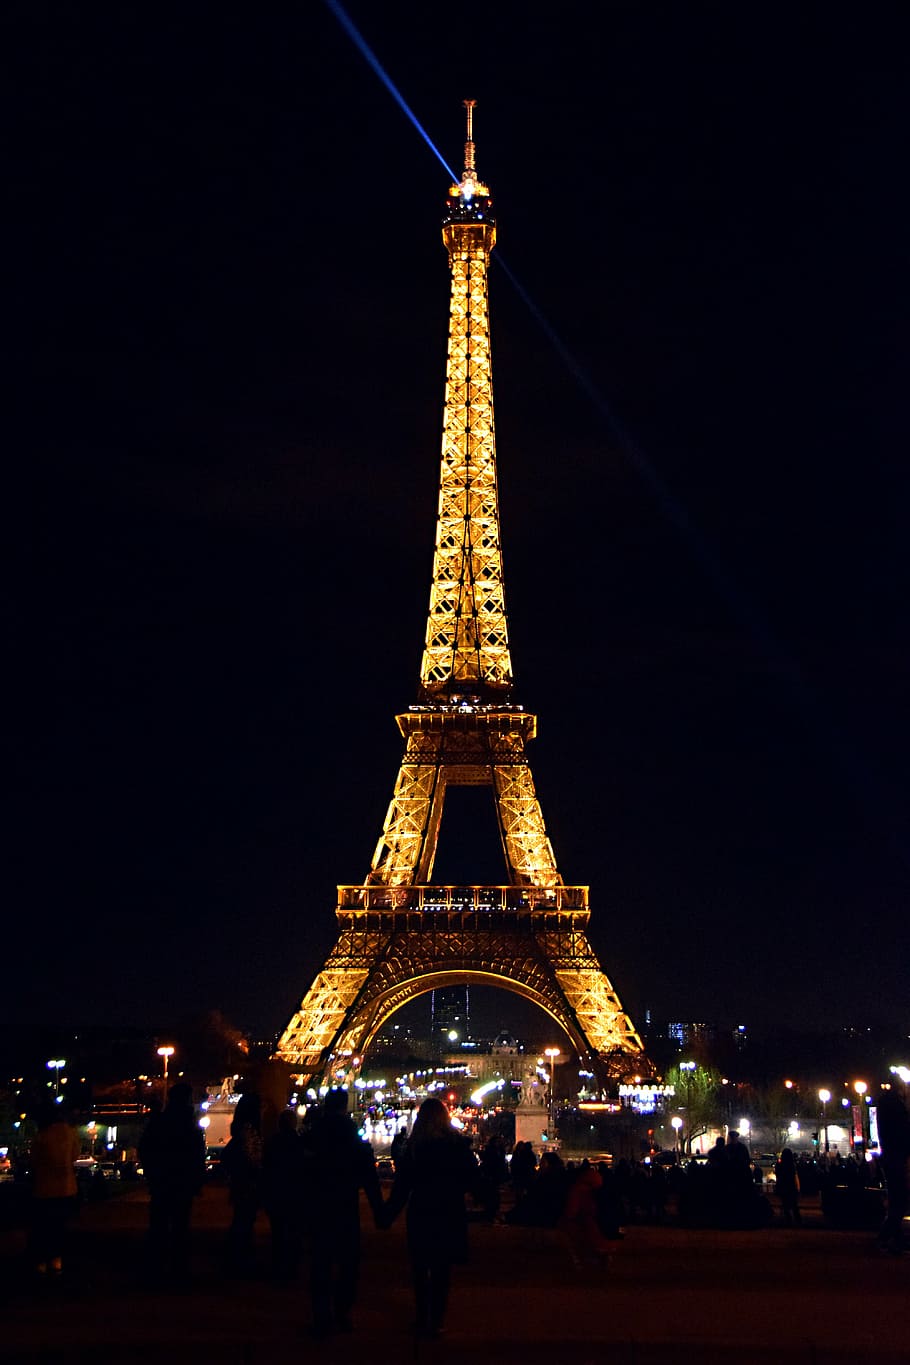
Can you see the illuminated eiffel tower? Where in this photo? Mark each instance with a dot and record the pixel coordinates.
(400, 934)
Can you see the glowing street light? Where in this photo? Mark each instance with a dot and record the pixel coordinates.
(688, 1068)
(861, 1087)
(56, 1064)
(903, 1074)
(165, 1053)
(552, 1053)
(676, 1123)
(825, 1095)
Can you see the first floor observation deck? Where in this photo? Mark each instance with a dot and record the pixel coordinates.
(444, 908)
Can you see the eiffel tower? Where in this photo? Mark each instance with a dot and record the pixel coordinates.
(400, 934)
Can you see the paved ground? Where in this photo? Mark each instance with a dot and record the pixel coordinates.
(809, 1296)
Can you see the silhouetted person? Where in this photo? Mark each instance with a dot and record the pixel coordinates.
(550, 1189)
(494, 1172)
(436, 1171)
(737, 1174)
(284, 1160)
(342, 1165)
(660, 1191)
(787, 1186)
(399, 1142)
(522, 1169)
(54, 1150)
(579, 1220)
(609, 1208)
(172, 1152)
(640, 1191)
(894, 1139)
(243, 1157)
(716, 1154)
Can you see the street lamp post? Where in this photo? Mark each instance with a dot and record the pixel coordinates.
(552, 1053)
(676, 1123)
(165, 1053)
(56, 1064)
(860, 1087)
(824, 1096)
(688, 1068)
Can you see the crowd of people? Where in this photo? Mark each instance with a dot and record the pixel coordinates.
(309, 1184)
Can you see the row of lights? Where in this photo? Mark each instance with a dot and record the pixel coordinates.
(58, 1064)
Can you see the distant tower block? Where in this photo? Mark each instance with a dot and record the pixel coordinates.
(399, 934)
(450, 1018)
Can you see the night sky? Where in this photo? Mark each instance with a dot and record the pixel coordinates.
(234, 316)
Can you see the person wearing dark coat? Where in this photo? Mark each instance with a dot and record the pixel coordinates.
(786, 1185)
(172, 1152)
(341, 1165)
(551, 1189)
(494, 1170)
(436, 1171)
(522, 1169)
(284, 1182)
(54, 1151)
(243, 1159)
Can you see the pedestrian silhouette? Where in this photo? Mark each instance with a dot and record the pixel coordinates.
(786, 1184)
(522, 1169)
(242, 1159)
(494, 1171)
(436, 1171)
(609, 1205)
(341, 1165)
(399, 1142)
(54, 1150)
(579, 1220)
(283, 1194)
(172, 1152)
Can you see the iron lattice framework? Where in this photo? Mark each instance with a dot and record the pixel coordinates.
(399, 935)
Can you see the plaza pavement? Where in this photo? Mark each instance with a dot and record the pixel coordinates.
(779, 1296)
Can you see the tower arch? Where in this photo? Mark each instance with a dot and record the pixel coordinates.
(363, 1025)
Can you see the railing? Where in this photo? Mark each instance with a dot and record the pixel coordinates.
(461, 899)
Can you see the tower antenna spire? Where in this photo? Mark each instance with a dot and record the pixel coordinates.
(469, 145)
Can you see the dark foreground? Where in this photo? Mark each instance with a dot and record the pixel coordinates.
(807, 1296)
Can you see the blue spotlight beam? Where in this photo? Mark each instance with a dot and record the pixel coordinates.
(370, 57)
(817, 709)
(669, 505)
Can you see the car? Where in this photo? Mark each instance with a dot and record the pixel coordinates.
(664, 1159)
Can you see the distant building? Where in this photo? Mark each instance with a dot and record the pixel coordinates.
(394, 1040)
(687, 1032)
(450, 1021)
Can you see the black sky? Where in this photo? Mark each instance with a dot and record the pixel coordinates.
(234, 312)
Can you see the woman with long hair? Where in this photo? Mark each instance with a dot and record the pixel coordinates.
(436, 1170)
